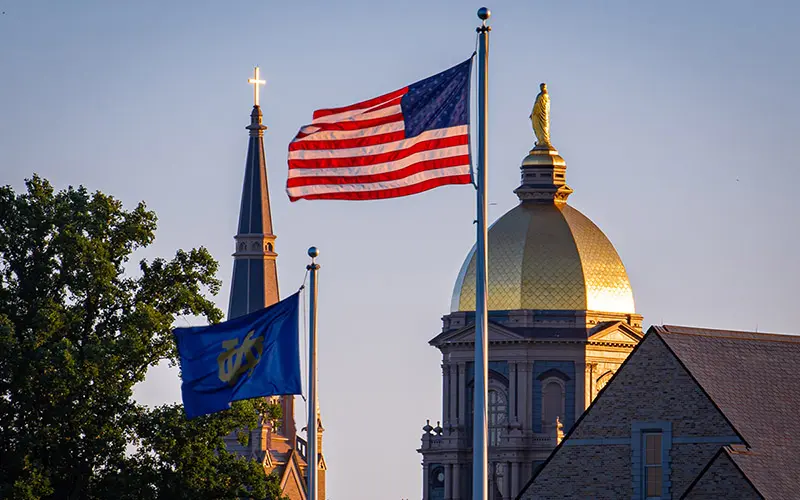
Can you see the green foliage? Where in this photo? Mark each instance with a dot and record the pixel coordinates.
(77, 333)
(273, 412)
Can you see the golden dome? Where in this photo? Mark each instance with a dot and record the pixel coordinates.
(547, 256)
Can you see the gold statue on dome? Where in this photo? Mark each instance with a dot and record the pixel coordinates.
(540, 118)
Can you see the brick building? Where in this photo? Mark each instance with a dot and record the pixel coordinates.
(692, 413)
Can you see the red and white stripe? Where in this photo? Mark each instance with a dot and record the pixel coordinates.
(360, 152)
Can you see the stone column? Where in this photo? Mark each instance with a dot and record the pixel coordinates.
(514, 478)
(456, 482)
(513, 399)
(591, 368)
(462, 395)
(453, 410)
(580, 389)
(525, 390)
(507, 481)
(425, 481)
(448, 477)
(445, 394)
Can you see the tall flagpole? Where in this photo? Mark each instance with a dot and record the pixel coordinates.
(312, 453)
(479, 427)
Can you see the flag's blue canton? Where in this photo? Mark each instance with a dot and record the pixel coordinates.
(247, 357)
(440, 101)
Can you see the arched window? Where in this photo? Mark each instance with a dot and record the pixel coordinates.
(436, 483)
(552, 401)
(269, 247)
(497, 409)
(602, 380)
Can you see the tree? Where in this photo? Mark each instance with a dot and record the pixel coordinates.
(77, 332)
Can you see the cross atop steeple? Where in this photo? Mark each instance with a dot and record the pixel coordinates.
(256, 82)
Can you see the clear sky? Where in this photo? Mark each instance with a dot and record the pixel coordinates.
(678, 121)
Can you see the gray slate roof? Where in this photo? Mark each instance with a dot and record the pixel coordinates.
(753, 378)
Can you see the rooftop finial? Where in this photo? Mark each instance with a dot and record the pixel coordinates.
(540, 119)
(256, 82)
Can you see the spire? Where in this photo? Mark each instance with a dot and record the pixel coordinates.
(255, 274)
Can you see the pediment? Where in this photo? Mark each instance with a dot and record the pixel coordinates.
(497, 333)
(292, 481)
(617, 332)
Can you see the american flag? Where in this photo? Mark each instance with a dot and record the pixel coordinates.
(401, 143)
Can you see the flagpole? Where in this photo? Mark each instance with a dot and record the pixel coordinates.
(311, 435)
(479, 432)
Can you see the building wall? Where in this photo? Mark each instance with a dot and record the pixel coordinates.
(601, 458)
(321, 490)
(585, 472)
(521, 367)
(722, 480)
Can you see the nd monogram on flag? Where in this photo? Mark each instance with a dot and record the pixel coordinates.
(401, 143)
(246, 357)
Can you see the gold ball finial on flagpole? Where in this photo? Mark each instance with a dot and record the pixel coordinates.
(484, 13)
(313, 252)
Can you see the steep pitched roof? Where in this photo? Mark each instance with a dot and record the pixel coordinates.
(752, 378)
(720, 477)
(292, 481)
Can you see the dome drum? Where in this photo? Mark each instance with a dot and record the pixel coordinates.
(532, 319)
(543, 177)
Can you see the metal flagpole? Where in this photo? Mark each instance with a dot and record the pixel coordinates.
(312, 453)
(479, 428)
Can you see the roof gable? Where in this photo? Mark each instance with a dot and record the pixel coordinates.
(722, 478)
(650, 368)
(616, 332)
(497, 333)
(628, 398)
(292, 482)
(752, 378)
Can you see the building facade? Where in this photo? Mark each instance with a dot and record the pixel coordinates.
(693, 413)
(561, 322)
(254, 286)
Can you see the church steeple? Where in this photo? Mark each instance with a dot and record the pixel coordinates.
(255, 273)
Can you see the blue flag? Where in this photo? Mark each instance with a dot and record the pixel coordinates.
(247, 357)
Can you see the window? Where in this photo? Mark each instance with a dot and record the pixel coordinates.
(559, 399)
(653, 468)
(436, 482)
(498, 415)
(651, 443)
(552, 402)
(602, 380)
